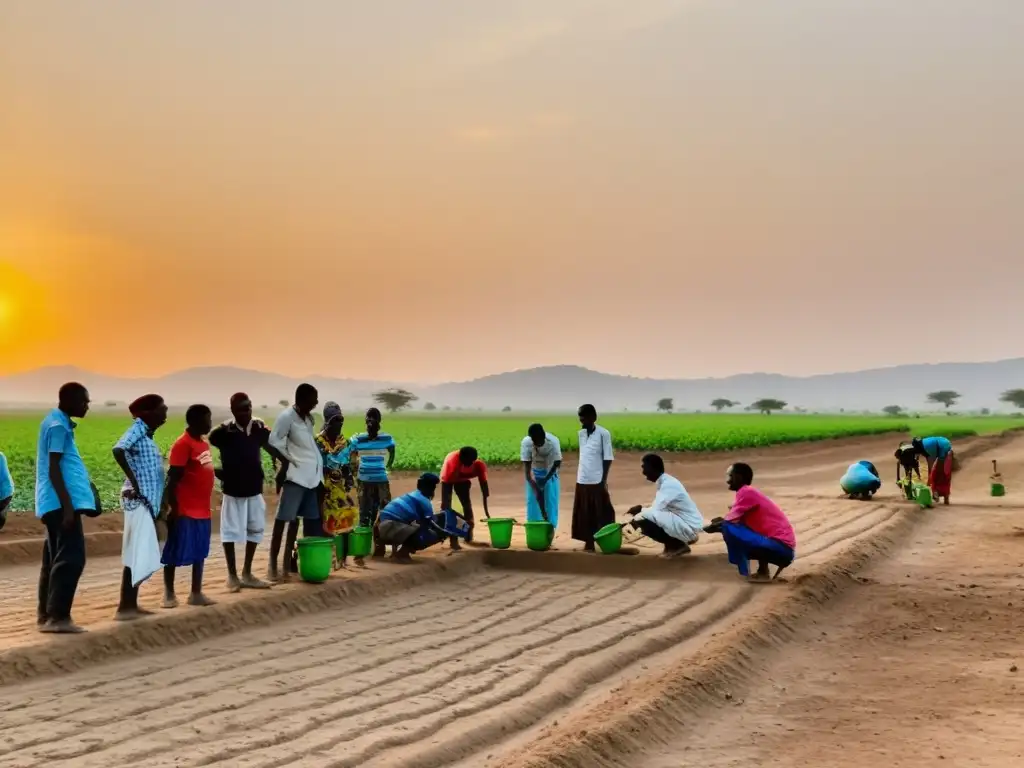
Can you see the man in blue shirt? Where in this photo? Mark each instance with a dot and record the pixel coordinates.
(6, 490)
(409, 522)
(63, 494)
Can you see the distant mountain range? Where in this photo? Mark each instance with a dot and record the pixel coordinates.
(556, 388)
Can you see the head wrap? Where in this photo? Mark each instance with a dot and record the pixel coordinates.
(145, 404)
(331, 411)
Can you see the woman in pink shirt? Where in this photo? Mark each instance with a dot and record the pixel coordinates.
(756, 529)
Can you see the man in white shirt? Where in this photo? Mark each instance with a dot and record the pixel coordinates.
(541, 454)
(300, 476)
(673, 519)
(592, 505)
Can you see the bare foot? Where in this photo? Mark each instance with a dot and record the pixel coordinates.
(759, 578)
(169, 601)
(66, 627)
(380, 552)
(272, 575)
(360, 562)
(249, 581)
(129, 614)
(284, 578)
(199, 599)
(401, 558)
(234, 585)
(456, 547)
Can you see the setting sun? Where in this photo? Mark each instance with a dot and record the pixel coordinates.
(26, 322)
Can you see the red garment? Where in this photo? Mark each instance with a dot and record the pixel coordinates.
(195, 488)
(941, 475)
(453, 471)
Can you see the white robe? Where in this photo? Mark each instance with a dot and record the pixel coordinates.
(140, 549)
(674, 511)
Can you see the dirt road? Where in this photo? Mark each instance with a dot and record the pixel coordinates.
(482, 659)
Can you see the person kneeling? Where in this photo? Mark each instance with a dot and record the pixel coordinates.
(673, 519)
(409, 522)
(861, 481)
(755, 529)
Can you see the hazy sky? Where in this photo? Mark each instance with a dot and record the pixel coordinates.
(436, 190)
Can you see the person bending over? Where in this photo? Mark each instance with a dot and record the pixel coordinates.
(938, 452)
(673, 519)
(907, 461)
(457, 473)
(409, 522)
(755, 528)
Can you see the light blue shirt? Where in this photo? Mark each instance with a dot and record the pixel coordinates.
(936, 447)
(145, 460)
(57, 435)
(6, 482)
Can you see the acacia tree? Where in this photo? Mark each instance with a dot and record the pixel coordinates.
(945, 396)
(666, 404)
(723, 402)
(767, 404)
(893, 410)
(429, 407)
(1013, 396)
(394, 400)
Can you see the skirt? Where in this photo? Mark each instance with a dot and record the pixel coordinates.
(941, 475)
(551, 492)
(140, 550)
(188, 542)
(592, 510)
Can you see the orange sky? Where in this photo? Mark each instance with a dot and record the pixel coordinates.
(429, 191)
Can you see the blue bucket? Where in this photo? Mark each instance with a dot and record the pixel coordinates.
(455, 524)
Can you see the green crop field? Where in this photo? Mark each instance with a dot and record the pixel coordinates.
(423, 440)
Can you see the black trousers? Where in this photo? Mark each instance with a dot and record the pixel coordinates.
(655, 532)
(63, 563)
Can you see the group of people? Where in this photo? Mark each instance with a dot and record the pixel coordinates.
(862, 481)
(334, 484)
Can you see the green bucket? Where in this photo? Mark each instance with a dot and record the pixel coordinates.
(923, 495)
(998, 489)
(501, 531)
(316, 556)
(609, 538)
(360, 541)
(539, 535)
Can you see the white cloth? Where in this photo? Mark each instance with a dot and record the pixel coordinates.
(542, 458)
(140, 550)
(595, 450)
(674, 511)
(293, 436)
(242, 519)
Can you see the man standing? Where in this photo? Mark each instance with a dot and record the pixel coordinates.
(673, 519)
(457, 473)
(300, 475)
(592, 505)
(243, 510)
(63, 494)
(541, 454)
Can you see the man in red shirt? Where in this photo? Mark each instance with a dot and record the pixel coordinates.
(457, 473)
(190, 481)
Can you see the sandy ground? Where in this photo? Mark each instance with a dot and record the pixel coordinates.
(517, 658)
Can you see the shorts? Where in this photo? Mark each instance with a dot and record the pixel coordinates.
(242, 519)
(396, 532)
(296, 502)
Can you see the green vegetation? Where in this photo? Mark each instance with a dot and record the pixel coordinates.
(424, 439)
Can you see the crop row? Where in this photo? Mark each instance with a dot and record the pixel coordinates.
(423, 441)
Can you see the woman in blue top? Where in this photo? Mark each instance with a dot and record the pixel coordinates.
(938, 452)
(861, 481)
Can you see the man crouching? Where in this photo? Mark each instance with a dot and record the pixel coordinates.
(409, 522)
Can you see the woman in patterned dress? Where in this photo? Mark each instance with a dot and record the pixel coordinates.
(338, 511)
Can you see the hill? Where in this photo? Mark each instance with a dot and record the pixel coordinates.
(557, 388)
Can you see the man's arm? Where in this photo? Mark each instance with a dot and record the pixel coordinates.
(606, 448)
(391, 456)
(57, 480)
(278, 438)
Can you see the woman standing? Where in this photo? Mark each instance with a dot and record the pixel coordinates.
(189, 492)
(143, 466)
(938, 452)
(338, 511)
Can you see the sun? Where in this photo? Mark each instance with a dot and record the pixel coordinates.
(25, 317)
